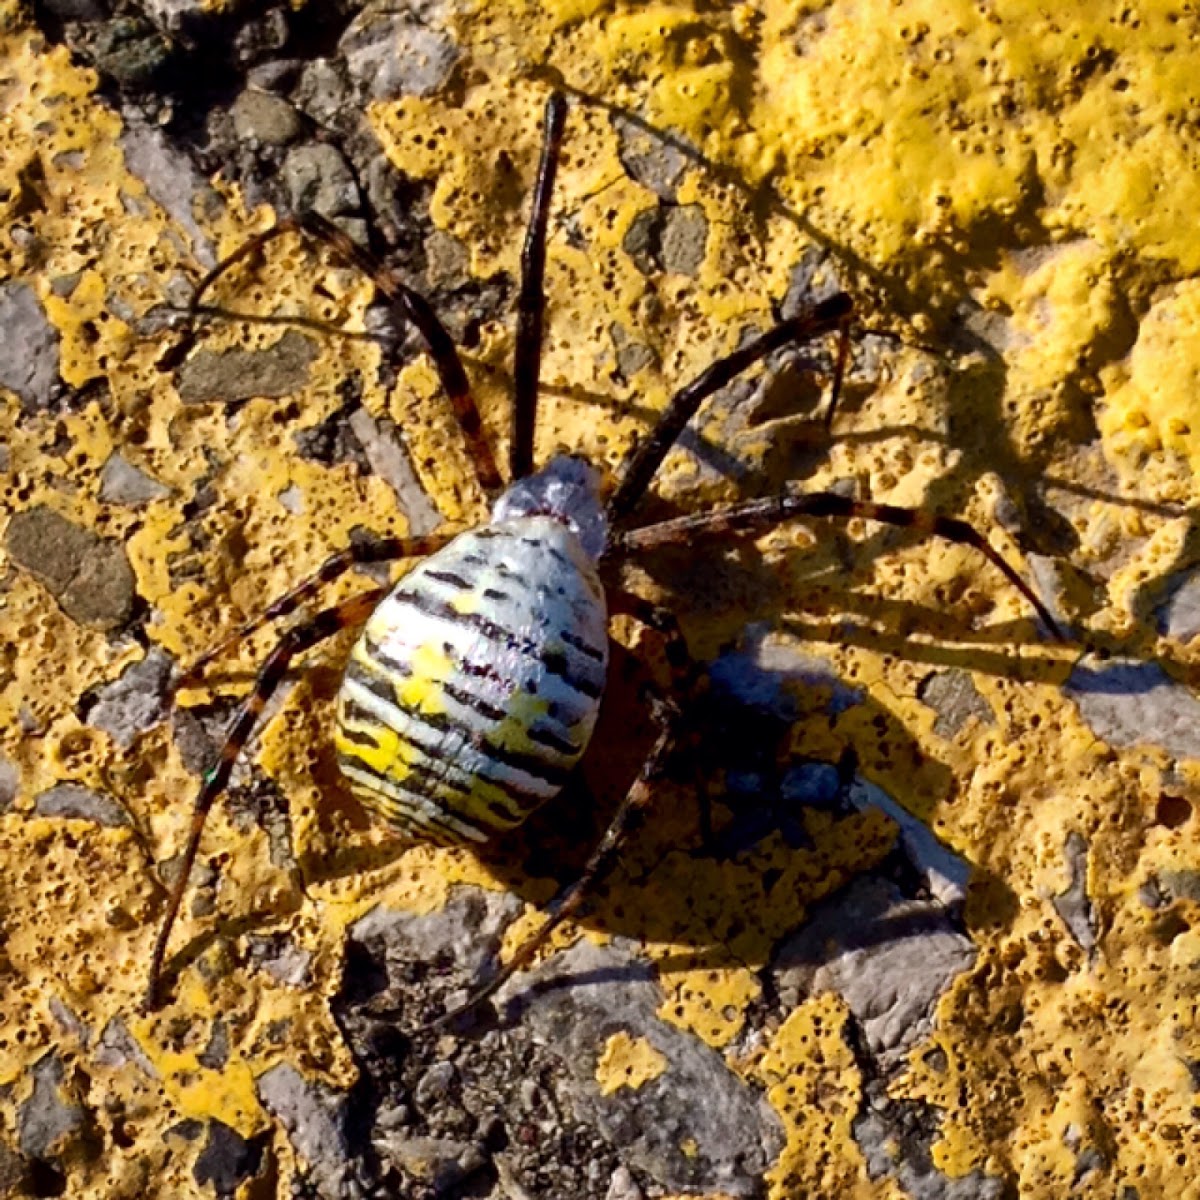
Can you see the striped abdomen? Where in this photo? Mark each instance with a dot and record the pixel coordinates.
(475, 685)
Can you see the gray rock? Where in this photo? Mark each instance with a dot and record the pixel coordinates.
(14, 1176)
(946, 873)
(123, 483)
(314, 1118)
(567, 1010)
(231, 375)
(623, 1186)
(388, 55)
(1179, 615)
(318, 179)
(323, 92)
(216, 1054)
(897, 1137)
(130, 50)
(173, 15)
(134, 702)
(119, 1048)
(581, 998)
(261, 117)
(812, 279)
(955, 699)
(227, 1159)
(173, 182)
(632, 356)
(388, 459)
(1131, 703)
(69, 1022)
(656, 162)
(890, 958)
(1073, 904)
(52, 1120)
(435, 1083)
(292, 498)
(682, 240)
(69, 801)
(48, 546)
(443, 1163)
(1180, 885)
(811, 785)
(89, 576)
(275, 74)
(10, 784)
(447, 259)
(762, 673)
(1049, 583)
(29, 361)
(641, 240)
(467, 931)
(281, 958)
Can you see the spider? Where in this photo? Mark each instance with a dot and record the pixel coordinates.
(474, 686)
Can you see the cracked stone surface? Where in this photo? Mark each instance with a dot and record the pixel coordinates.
(135, 701)
(889, 957)
(71, 801)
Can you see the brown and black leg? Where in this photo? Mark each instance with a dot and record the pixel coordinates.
(390, 549)
(839, 374)
(571, 899)
(667, 714)
(404, 300)
(531, 305)
(829, 316)
(293, 642)
(757, 516)
(688, 678)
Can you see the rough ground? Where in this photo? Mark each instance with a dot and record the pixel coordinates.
(942, 942)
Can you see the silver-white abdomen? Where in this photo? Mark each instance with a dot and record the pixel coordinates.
(475, 685)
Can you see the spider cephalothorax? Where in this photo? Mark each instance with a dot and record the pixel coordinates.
(475, 685)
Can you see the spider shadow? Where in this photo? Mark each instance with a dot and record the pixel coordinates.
(783, 822)
(741, 753)
(722, 740)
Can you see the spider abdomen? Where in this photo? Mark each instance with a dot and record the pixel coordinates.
(474, 687)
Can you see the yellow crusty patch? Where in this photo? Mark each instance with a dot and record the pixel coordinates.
(814, 1084)
(1151, 398)
(628, 1062)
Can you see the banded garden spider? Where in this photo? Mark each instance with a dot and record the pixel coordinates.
(474, 687)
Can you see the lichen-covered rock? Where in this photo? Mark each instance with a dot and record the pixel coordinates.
(977, 845)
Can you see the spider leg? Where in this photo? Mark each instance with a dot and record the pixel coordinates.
(296, 640)
(603, 858)
(404, 299)
(753, 516)
(829, 316)
(532, 302)
(687, 675)
(839, 373)
(356, 554)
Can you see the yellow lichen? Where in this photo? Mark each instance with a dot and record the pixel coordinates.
(628, 1062)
